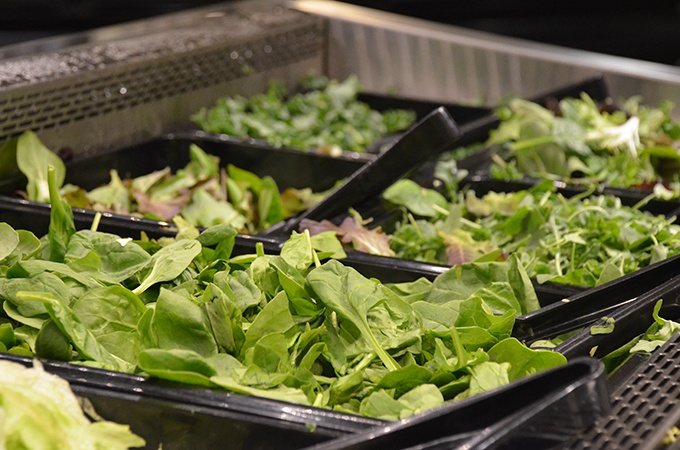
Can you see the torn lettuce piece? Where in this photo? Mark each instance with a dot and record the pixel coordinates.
(40, 411)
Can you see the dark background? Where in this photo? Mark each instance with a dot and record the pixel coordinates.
(642, 29)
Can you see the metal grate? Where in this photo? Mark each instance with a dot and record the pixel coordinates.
(128, 78)
(644, 408)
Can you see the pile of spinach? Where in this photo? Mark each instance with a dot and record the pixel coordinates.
(285, 326)
(580, 141)
(202, 193)
(585, 240)
(325, 116)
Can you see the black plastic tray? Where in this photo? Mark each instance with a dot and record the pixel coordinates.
(460, 113)
(287, 167)
(537, 412)
(644, 407)
(181, 418)
(382, 215)
(159, 410)
(645, 389)
(630, 320)
(258, 422)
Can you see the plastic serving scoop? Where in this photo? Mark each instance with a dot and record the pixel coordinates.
(427, 138)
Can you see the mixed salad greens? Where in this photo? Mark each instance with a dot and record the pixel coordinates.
(202, 193)
(39, 411)
(580, 141)
(285, 326)
(585, 240)
(659, 332)
(326, 117)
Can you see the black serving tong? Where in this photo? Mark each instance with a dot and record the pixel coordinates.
(588, 306)
(537, 412)
(427, 138)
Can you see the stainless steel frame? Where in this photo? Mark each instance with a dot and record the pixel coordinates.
(121, 85)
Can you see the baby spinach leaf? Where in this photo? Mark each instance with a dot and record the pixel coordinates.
(240, 288)
(33, 159)
(52, 344)
(169, 262)
(488, 280)
(221, 236)
(179, 323)
(184, 366)
(415, 198)
(405, 379)
(327, 245)
(524, 361)
(479, 327)
(351, 296)
(79, 335)
(225, 319)
(42, 282)
(112, 315)
(119, 258)
(275, 317)
(298, 250)
(9, 240)
(381, 405)
(28, 244)
(291, 279)
(281, 393)
(61, 219)
(269, 354)
(487, 376)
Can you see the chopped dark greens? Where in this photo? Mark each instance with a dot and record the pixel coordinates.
(326, 117)
(286, 327)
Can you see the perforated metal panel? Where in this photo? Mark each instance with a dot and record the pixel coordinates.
(644, 408)
(120, 91)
